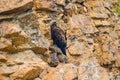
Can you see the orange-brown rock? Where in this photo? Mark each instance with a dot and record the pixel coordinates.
(23, 39)
(26, 73)
(14, 37)
(61, 2)
(43, 5)
(92, 28)
(98, 15)
(6, 45)
(23, 62)
(15, 6)
(63, 71)
(4, 77)
(76, 48)
(6, 71)
(37, 79)
(1, 77)
(9, 28)
(21, 57)
(106, 51)
(30, 26)
(84, 23)
(102, 23)
(6, 17)
(89, 69)
(3, 56)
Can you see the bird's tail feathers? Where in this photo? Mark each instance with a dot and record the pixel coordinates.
(63, 50)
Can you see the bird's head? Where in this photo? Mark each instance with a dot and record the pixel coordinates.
(53, 24)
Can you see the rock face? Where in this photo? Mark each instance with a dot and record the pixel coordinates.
(13, 6)
(43, 5)
(10, 8)
(93, 40)
(90, 70)
(26, 73)
(62, 72)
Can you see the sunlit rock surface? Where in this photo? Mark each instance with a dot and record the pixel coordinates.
(93, 40)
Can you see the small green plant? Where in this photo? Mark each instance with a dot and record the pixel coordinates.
(117, 9)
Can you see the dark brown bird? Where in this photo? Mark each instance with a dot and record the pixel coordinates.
(59, 37)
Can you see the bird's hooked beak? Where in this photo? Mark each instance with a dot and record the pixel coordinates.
(53, 23)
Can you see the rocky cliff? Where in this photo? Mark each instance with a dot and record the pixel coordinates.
(93, 40)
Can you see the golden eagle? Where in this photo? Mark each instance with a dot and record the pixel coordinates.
(59, 37)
